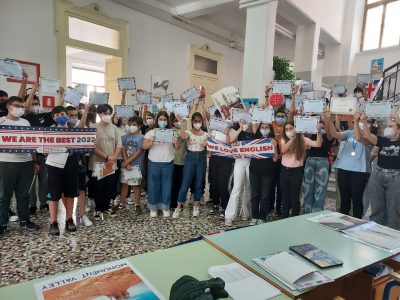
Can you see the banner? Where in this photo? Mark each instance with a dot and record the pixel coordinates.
(260, 148)
(24, 139)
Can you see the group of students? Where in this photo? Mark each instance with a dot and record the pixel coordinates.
(241, 187)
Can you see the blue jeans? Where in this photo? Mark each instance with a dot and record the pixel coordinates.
(193, 168)
(316, 175)
(159, 184)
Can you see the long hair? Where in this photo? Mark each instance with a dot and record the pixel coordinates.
(298, 147)
(162, 113)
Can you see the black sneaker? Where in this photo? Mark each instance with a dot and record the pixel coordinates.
(32, 210)
(138, 209)
(111, 212)
(29, 225)
(214, 210)
(44, 206)
(3, 229)
(70, 225)
(97, 215)
(54, 230)
(222, 215)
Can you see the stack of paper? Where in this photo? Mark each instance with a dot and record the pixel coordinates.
(291, 271)
(241, 284)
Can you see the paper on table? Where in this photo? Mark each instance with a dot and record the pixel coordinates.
(313, 106)
(73, 96)
(378, 110)
(364, 78)
(49, 86)
(306, 124)
(163, 136)
(336, 221)
(343, 105)
(238, 114)
(126, 83)
(260, 115)
(218, 125)
(57, 159)
(124, 111)
(10, 68)
(98, 98)
(181, 110)
(241, 284)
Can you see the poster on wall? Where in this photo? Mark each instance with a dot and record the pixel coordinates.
(377, 65)
(160, 86)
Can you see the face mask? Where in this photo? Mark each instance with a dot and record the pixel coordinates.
(323, 131)
(149, 122)
(265, 132)
(197, 125)
(289, 134)
(106, 118)
(73, 121)
(245, 127)
(280, 120)
(177, 124)
(358, 95)
(133, 129)
(62, 120)
(389, 132)
(18, 112)
(36, 109)
(162, 124)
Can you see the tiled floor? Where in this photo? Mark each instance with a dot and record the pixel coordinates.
(25, 255)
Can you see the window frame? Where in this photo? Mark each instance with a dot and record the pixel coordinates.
(373, 5)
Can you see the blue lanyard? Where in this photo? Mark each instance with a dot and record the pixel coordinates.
(354, 144)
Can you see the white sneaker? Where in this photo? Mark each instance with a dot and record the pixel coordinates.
(129, 201)
(143, 193)
(228, 222)
(244, 218)
(176, 213)
(196, 211)
(14, 218)
(153, 213)
(86, 221)
(87, 208)
(253, 222)
(166, 213)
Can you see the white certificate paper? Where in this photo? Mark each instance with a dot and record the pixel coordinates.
(238, 114)
(319, 94)
(190, 95)
(73, 96)
(124, 111)
(339, 89)
(378, 110)
(260, 115)
(343, 105)
(98, 98)
(283, 87)
(143, 97)
(313, 106)
(10, 68)
(181, 110)
(212, 109)
(307, 87)
(134, 173)
(306, 124)
(50, 86)
(218, 125)
(167, 98)
(126, 83)
(364, 78)
(169, 106)
(163, 136)
(57, 159)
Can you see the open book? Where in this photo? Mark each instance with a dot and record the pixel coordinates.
(291, 271)
(241, 284)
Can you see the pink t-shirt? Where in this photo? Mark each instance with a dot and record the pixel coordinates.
(289, 161)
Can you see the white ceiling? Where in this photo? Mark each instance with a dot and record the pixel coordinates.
(174, 3)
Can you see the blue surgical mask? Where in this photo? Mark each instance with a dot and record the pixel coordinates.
(62, 120)
(280, 120)
(73, 122)
(162, 124)
(265, 132)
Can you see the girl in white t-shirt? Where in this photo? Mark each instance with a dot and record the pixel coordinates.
(160, 167)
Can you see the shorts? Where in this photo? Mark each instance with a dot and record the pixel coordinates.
(82, 181)
(61, 184)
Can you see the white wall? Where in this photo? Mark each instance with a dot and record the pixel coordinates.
(362, 60)
(285, 48)
(156, 47)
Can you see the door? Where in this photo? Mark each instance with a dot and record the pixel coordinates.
(113, 70)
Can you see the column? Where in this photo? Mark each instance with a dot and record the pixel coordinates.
(258, 46)
(306, 51)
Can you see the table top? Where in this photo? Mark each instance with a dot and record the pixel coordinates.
(247, 243)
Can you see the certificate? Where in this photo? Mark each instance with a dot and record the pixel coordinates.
(306, 124)
(167, 98)
(163, 136)
(378, 110)
(339, 89)
(218, 125)
(182, 110)
(283, 87)
(126, 83)
(260, 115)
(238, 114)
(343, 105)
(98, 98)
(143, 97)
(319, 94)
(307, 87)
(299, 102)
(73, 96)
(364, 78)
(10, 68)
(190, 95)
(57, 159)
(82, 88)
(212, 109)
(124, 111)
(169, 106)
(134, 173)
(50, 86)
(313, 106)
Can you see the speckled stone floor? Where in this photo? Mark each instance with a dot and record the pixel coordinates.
(26, 255)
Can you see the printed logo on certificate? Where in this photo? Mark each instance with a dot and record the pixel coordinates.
(343, 105)
(306, 124)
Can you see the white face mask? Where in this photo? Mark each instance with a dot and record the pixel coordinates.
(245, 127)
(18, 112)
(106, 118)
(389, 132)
(133, 129)
(149, 122)
(177, 124)
(265, 132)
(358, 94)
(197, 125)
(36, 109)
(289, 134)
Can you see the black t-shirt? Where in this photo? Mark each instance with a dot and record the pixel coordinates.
(323, 150)
(262, 166)
(389, 153)
(244, 136)
(42, 119)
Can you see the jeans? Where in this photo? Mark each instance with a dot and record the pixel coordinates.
(276, 193)
(176, 184)
(351, 186)
(291, 180)
(42, 178)
(241, 189)
(219, 172)
(203, 182)
(383, 194)
(193, 169)
(316, 175)
(159, 183)
(260, 195)
(15, 177)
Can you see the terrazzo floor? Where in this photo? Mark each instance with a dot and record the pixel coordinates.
(27, 255)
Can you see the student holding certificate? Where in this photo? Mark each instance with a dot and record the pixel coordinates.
(160, 167)
(293, 147)
(384, 182)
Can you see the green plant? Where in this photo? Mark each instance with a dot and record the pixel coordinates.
(281, 67)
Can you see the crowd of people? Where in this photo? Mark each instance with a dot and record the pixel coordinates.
(239, 188)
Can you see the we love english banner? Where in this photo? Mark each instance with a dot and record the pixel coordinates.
(260, 148)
